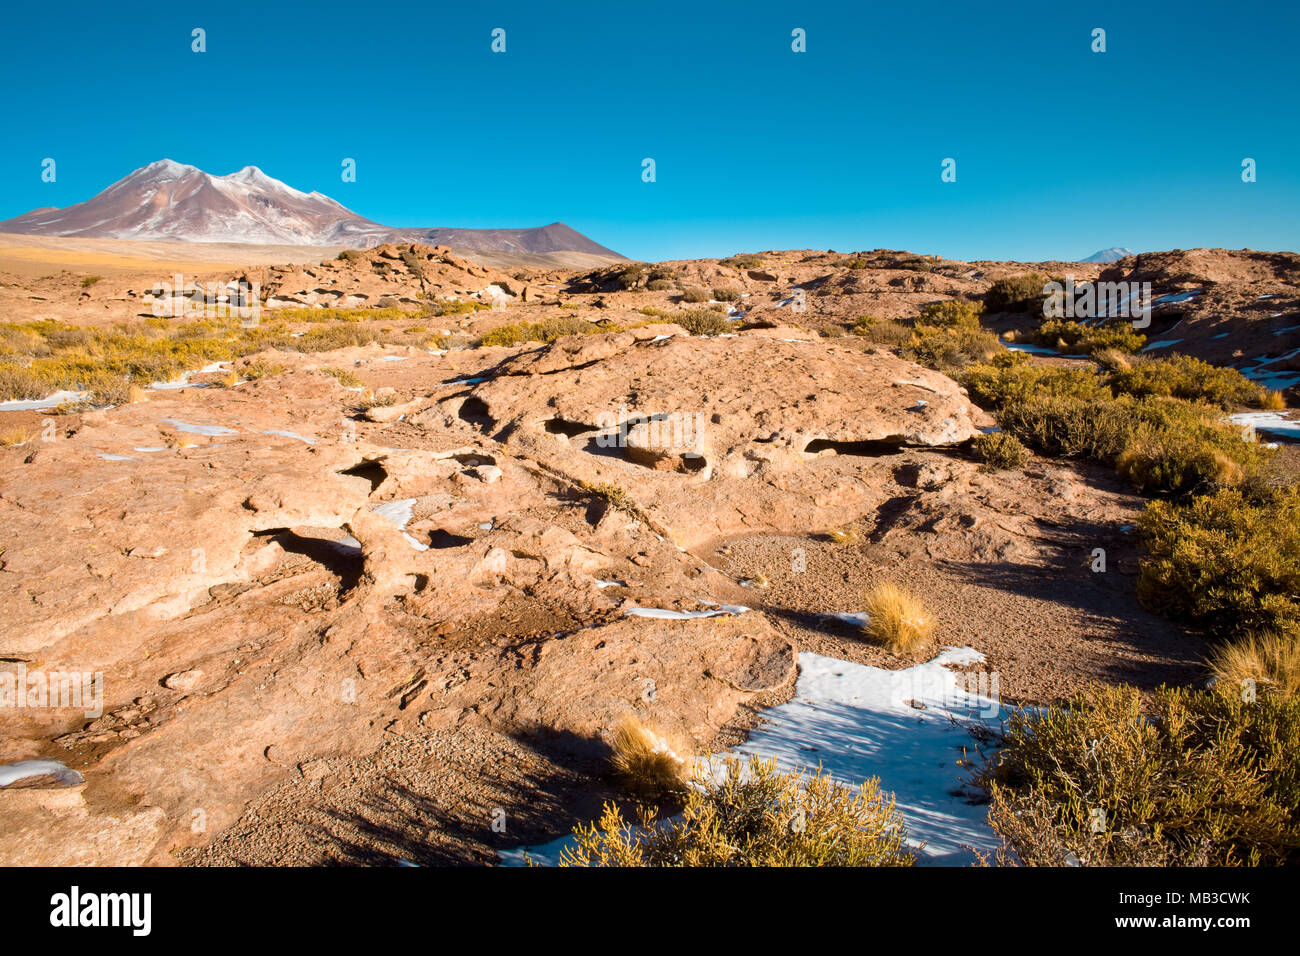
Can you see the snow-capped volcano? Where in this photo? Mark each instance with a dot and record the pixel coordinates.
(1113, 254)
(167, 200)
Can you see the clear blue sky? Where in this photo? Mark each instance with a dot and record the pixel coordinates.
(1059, 151)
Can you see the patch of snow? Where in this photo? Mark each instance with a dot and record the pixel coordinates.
(276, 431)
(856, 618)
(199, 429)
(670, 615)
(860, 722)
(1163, 343)
(108, 457)
(41, 404)
(13, 772)
(1031, 349)
(1272, 423)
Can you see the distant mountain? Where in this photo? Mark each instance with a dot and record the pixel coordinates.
(171, 201)
(1113, 254)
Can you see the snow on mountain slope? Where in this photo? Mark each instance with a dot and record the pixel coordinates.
(167, 200)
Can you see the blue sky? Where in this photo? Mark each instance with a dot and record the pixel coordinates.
(1060, 151)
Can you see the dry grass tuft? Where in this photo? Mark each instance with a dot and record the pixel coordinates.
(17, 435)
(844, 536)
(1271, 661)
(648, 761)
(898, 620)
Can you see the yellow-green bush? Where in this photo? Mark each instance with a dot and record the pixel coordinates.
(548, 330)
(757, 816)
(1089, 339)
(1016, 294)
(1182, 376)
(1195, 779)
(1001, 451)
(1228, 563)
(952, 314)
(949, 348)
(700, 321)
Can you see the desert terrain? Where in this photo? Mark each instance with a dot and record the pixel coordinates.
(370, 577)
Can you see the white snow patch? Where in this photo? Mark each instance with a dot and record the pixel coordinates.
(40, 404)
(199, 429)
(670, 615)
(1272, 423)
(13, 772)
(276, 431)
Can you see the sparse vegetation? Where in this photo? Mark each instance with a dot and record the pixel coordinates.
(898, 620)
(757, 816)
(885, 332)
(88, 281)
(17, 435)
(1088, 339)
(1001, 451)
(649, 764)
(726, 293)
(1182, 376)
(344, 377)
(1023, 293)
(547, 330)
(1195, 779)
(1228, 562)
(612, 494)
(1161, 445)
(693, 294)
(1265, 664)
(700, 321)
(748, 260)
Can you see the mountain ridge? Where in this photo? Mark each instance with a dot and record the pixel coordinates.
(167, 200)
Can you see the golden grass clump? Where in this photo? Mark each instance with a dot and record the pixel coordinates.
(647, 760)
(1272, 401)
(843, 536)
(898, 620)
(758, 816)
(1271, 661)
(17, 435)
(343, 376)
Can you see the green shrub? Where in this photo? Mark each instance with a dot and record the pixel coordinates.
(88, 281)
(747, 260)
(700, 321)
(949, 349)
(1012, 376)
(1182, 376)
(548, 330)
(343, 376)
(1022, 293)
(1176, 447)
(1199, 779)
(881, 331)
(1088, 339)
(1227, 563)
(952, 314)
(756, 817)
(1069, 425)
(1001, 451)
(630, 276)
